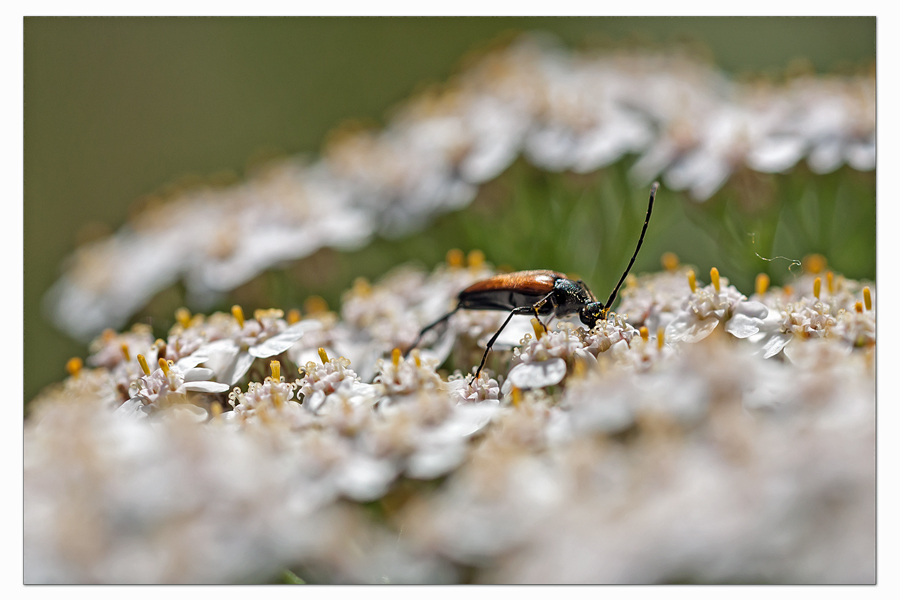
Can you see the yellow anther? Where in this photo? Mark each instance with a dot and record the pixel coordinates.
(788, 290)
(858, 306)
(670, 261)
(455, 258)
(361, 286)
(631, 281)
(395, 357)
(125, 351)
(714, 277)
(538, 328)
(323, 356)
(416, 357)
(814, 263)
(867, 296)
(183, 316)
(645, 333)
(74, 366)
(293, 316)
(516, 396)
(143, 362)
(276, 370)
(692, 280)
(475, 259)
(238, 314)
(817, 287)
(762, 283)
(829, 279)
(660, 338)
(315, 305)
(215, 409)
(164, 365)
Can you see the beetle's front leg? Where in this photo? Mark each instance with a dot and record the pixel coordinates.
(539, 304)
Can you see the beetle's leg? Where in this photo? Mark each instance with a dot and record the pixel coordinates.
(521, 310)
(430, 327)
(537, 306)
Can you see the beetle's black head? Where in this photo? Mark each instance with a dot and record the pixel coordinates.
(591, 313)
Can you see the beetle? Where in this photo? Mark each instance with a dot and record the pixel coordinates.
(538, 292)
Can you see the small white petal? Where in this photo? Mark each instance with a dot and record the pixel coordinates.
(198, 374)
(210, 387)
(686, 328)
(742, 326)
(752, 308)
(276, 344)
(776, 343)
(240, 366)
(188, 362)
(538, 374)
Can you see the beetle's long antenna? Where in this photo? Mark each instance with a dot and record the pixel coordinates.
(612, 297)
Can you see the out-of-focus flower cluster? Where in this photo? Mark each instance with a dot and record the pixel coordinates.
(687, 122)
(697, 435)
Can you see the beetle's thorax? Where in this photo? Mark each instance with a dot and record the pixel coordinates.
(570, 296)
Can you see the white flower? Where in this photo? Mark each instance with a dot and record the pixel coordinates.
(704, 308)
(266, 336)
(171, 383)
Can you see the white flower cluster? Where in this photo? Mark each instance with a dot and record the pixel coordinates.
(689, 123)
(621, 454)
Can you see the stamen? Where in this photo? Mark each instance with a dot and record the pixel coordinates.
(714, 277)
(670, 261)
(858, 306)
(276, 370)
(416, 357)
(323, 356)
(164, 366)
(183, 316)
(538, 328)
(315, 305)
(660, 338)
(814, 263)
(125, 352)
(476, 259)
(455, 258)
(293, 316)
(788, 290)
(516, 396)
(238, 313)
(215, 409)
(817, 287)
(829, 279)
(395, 357)
(692, 280)
(645, 333)
(631, 281)
(867, 296)
(143, 362)
(74, 366)
(762, 283)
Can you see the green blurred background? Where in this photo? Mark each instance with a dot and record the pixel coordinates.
(116, 108)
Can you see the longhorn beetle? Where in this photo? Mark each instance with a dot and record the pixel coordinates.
(538, 292)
